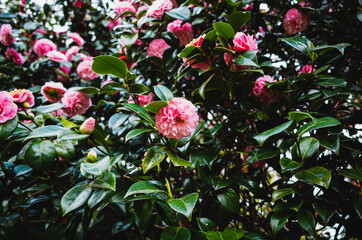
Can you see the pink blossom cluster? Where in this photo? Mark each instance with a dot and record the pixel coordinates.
(43, 46)
(156, 48)
(76, 38)
(13, 55)
(184, 32)
(295, 21)
(85, 71)
(178, 119)
(158, 8)
(5, 35)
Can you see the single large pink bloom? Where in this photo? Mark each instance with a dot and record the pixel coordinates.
(295, 21)
(156, 48)
(178, 119)
(56, 56)
(184, 33)
(243, 42)
(158, 8)
(43, 46)
(197, 42)
(23, 96)
(53, 91)
(5, 35)
(71, 51)
(8, 108)
(124, 6)
(85, 71)
(13, 55)
(76, 38)
(76, 103)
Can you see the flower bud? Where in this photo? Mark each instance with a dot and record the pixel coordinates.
(26, 105)
(91, 156)
(88, 126)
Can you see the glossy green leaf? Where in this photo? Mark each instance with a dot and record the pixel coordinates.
(176, 160)
(65, 149)
(306, 221)
(97, 168)
(203, 86)
(209, 41)
(205, 224)
(176, 233)
(107, 181)
(46, 131)
(247, 58)
(229, 200)
(238, 19)
(324, 209)
(143, 209)
(188, 52)
(68, 124)
(287, 164)
(278, 194)
(88, 90)
(308, 147)
(315, 175)
(140, 111)
(184, 205)
(49, 108)
(142, 187)
(163, 93)
(227, 234)
(97, 196)
(331, 82)
(224, 30)
(301, 44)
(109, 65)
(331, 142)
(322, 49)
(129, 39)
(182, 13)
(319, 123)
(278, 220)
(40, 155)
(154, 156)
(351, 173)
(7, 128)
(299, 116)
(136, 132)
(138, 89)
(154, 107)
(75, 198)
(262, 137)
(257, 154)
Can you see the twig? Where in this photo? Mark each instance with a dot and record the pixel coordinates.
(22, 124)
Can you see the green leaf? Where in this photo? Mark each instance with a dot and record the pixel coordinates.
(331, 82)
(301, 44)
(75, 198)
(325, 210)
(143, 209)
(229, 200)
(153, 157)
(287, 164)
(88, 90)
(322, 49)
(278, 194)
(308, 147)
(140, 111)
(46, 131)
(188, 52)
(163, 93)
(135, 132)
(253, 236)
(315, 175)
(154, 107)
(209, 42)
(176, 233)
(184, 205)
(7, 128)
(182, 13)
(129, 39)
(306, 221)
(142, 187)
(205, 224)
(49, 108)
(203, 86)
(68, 124)
(224, 30)
(299, 116)
(351, 173)
(247, 58)
(100, 139)
(358, 206)
(257, 154)
(97, 196)
(319, 123)
(112, 87)
(40, 155)
(262, 137)
(107, 181)
(278, 220)
(176, 160)
(97, 168)
(138, 89)
(238, 19)
(109, 65)
(331, 142)
(227, 234)
(65, 149)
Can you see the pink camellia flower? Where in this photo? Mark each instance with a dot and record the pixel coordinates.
(56, 56)
(143, 100)
(264, 95)
(43, 46)
(13, 55)
(243, 42)
(158, 8)
(5, 35)
(178, 119)
(63, 74)
(8, 108)
(156, 48)
(71, 51)
(41, 30)
(295, 21)
(76, 38)
(53, 91)
(58, 112)
(85, 71)
(124, 6)
(307, 69)
(197, 42)
(259, 164)
(184, 33)
(87, 126)
(76, 103)
(23, 96)
(260, 83)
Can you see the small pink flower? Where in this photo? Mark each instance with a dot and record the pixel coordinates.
(260, 83)
(112, 23)
(76, 38)
(307, 69)
(71, 51)
(5, 35)
(264, 95)
(41, 30)
(8, 108)
(56, 56)
(53, 91)
(85, 71)
(243, 42)
(259, 164)
(143, 100)
(184, 33)
(197, 42)
(87, 126)
(13, 55)
(295, 21)
(76, 103)
(23, 96)
(178, 119)
(43, 46)
(63, 74)
(156, 48)
(58, 112)
(124, 6)
(158, 8)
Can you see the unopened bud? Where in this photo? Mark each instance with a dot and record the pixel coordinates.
(91, 156)
(26, 104)
(88, 126)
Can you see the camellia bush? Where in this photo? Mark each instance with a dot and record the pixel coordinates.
(205, 120)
